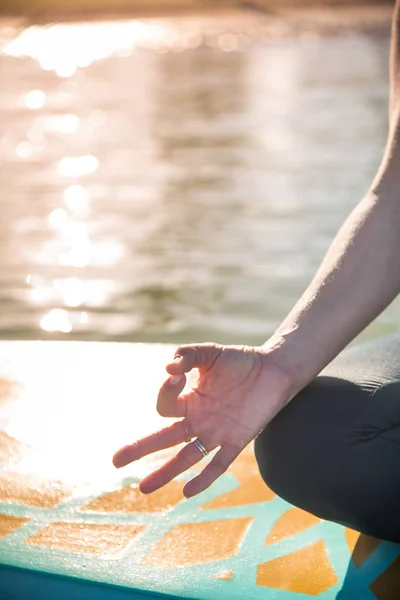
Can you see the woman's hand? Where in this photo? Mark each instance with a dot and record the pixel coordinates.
(239, 390)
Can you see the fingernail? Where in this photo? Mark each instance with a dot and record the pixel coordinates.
(175, 379)
(177, 358)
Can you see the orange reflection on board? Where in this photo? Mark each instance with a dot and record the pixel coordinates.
(198, 543)
(292, 521)
(252, 488)
(305, 571)
(8, 524)
(17, 488)
(85, 538)
(224, 576)
(129, 499)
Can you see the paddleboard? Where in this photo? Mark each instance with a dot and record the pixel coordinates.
(74, 527)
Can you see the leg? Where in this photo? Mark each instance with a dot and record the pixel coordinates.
(335, 449)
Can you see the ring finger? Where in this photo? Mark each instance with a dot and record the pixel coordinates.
(184, 460)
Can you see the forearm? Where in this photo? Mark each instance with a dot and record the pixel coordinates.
(358, 278)
(360, 275)
(387, 176)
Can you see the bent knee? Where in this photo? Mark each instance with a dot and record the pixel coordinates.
(283, 449)
(302, 452)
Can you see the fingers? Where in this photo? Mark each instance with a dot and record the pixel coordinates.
(169, 404)
(165, 438)
(202, 356)
(215, 468)
(188, 357)
(184, 460)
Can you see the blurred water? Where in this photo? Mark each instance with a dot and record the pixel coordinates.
(156, 187)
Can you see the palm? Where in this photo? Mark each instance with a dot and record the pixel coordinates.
(226, 408)
(224, 399)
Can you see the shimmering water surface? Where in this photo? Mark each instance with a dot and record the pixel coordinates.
(160, 182)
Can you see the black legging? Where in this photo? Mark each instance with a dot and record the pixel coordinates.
(334, 450)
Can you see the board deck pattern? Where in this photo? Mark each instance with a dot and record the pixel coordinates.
(236, 540)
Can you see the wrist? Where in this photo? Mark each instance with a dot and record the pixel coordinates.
(284, 352)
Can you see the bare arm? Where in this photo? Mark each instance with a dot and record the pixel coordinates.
(360, 274)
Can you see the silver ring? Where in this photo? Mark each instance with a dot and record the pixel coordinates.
(200, 447)
(185, 427)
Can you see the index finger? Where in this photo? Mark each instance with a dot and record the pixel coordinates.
(192, 356)
(165, 438)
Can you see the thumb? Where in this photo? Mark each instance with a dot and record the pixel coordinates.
(188, 357)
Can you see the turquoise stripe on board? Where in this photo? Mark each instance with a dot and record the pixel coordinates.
(22, 584)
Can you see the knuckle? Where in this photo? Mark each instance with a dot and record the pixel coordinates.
(210, 441)
(183, 350)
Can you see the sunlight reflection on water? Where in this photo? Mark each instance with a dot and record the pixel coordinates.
(167, 180)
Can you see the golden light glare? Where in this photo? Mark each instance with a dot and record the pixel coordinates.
(56, 320)
(35, 99)
(57, 218)
(108, 254)
(64, 48)
(78, 256)
(76, 198)
(76, 166)
(77, 372)
(40, 295)
(72, 291)
(66, 69)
